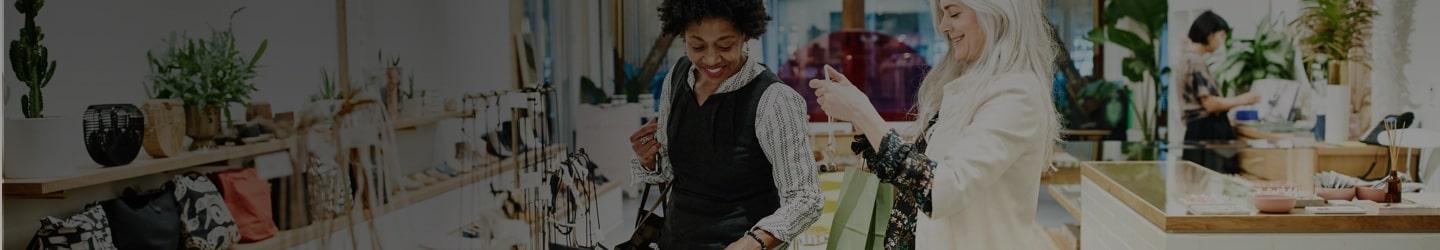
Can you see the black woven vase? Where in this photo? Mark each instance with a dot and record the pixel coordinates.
(113, 133)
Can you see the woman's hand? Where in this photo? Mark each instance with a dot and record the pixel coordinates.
(1248, 99)
(744, 243)
(843, 101)
(747, 243)
(644, 144)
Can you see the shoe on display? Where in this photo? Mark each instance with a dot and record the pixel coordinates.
(423, 179)
(409, 184)
(497, 144)
(461, 167)
(445, 168)
(437, 175)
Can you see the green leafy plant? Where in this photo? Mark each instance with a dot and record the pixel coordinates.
(205, 71)
(31, 61)
(1142, 67)
(1106, 96)
(409, 93)
(328, 88)
(1333, 30)
(392, 62)
(1267, 56)
(591, 93)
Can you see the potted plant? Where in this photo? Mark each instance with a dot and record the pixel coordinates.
(328, 88)
(1333, 33)
(392, 83)
(1266, 56)
(1142, 67)
(207, 75)
(327, 100)
(38, 145)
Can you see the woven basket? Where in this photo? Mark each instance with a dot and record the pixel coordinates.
(164, 127)
(113, 133)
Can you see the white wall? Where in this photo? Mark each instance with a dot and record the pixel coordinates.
(452, 45)
(100, 46)
(1406, 55)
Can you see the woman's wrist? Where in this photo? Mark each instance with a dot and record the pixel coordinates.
(874, 129)
(756, 238)
(764, 238)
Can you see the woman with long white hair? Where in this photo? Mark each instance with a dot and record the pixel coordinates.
(986, 126)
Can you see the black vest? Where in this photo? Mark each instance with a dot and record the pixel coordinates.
(723, 183)
(713, 146)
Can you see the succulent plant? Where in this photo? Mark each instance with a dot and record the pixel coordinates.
(328, 90)
(31, 61)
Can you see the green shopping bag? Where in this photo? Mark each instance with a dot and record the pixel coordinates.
(863, 212)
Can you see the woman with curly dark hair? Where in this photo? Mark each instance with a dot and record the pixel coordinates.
(731, 139)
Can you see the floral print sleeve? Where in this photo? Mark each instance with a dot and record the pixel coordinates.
(907, 168)
(903, 165)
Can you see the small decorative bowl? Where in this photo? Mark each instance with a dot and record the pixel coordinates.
(1344, 194)
(1276, 204)
(1370, 193)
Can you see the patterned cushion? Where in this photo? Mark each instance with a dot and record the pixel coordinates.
(87, 230)
(207, 222)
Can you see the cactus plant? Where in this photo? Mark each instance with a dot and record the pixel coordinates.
(29, 60)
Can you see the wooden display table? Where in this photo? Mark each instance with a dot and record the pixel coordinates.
(1136, 205)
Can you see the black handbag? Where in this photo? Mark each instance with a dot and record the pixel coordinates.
(648, 225)
(149, 220)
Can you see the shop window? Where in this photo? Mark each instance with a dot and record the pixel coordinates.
(886, 59)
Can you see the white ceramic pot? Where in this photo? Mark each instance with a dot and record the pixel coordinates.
(44, 147)
(433, 103)
(1337, 113)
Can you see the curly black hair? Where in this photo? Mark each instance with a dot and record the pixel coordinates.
(748, 16)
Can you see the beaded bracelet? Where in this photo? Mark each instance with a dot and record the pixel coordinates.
(757, 239)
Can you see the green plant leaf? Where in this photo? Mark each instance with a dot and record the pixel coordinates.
(264, 44)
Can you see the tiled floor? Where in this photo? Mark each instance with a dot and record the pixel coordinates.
(1049, 214)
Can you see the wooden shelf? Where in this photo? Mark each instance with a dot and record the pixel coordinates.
(94, 175)
(495, 169)
(427, 119)
(1066, 201)
(295, 237)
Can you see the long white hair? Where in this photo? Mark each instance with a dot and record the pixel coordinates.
(1017, 41)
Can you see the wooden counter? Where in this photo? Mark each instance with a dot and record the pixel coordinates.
(1299, 164)
(1153, 190)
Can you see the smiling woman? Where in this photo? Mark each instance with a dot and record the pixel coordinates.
(970, 179)
(730, 139)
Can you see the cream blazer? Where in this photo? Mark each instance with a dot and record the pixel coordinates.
(990, 144)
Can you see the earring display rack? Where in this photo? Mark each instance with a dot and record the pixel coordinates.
(476, 119)
(317, 230)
